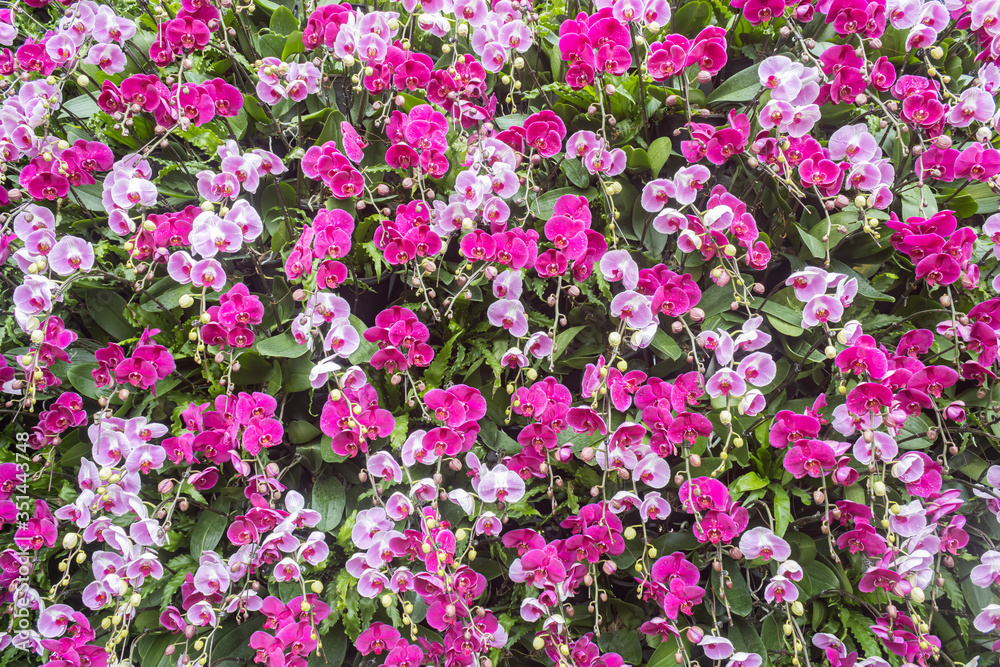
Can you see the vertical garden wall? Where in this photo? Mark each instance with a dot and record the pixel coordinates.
(469, 333)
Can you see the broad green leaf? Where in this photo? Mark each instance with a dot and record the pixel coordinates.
(575, 172)
(107, 308)
(329, 499)
(283, 22)
(284, 345)
(211, 526)
(300, 432)
(783, 318)
(271, 46)
(912, 197)
(738, 596)
(663, 656)
(666, 346)
(782, 510)
(79, 376)
(625, 643)
(748, 482)
(564, 338)
(744, 637)
(637, 160)
(332, 650)
(815, 246)
(740, 87)
(692, 17)
(865, 288)
(659, 152)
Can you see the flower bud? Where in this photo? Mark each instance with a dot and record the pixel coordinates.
(70, 540)
(186, 301)
(695, 634)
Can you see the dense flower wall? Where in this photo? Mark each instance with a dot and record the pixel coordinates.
(456, 332)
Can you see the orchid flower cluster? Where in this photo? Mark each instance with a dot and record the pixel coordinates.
(480, 332)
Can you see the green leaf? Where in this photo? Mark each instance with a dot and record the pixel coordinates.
(740, 87)
(329, 499)
(821, 578)
(748, 482)
(865, 288)
(210, 527)
(782, 510)
(738, 596)
(692, 17)
(301, 432)
(575, 172)
(783, 318)
(271, 45)
(745, 639)
(90, 195)
(293, 45)
(79, 376)
(332, 651)
(637, 160)
(625, 643)
(666, 346)
(564, 338)
(168, 300)
(659, 152)
(82, 106)
(107, 308)
(911, 200)
(816, 247)
(663, 656)
(284, 346)
(283, 22)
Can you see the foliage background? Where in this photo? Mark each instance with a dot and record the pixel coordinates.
(114, 303)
